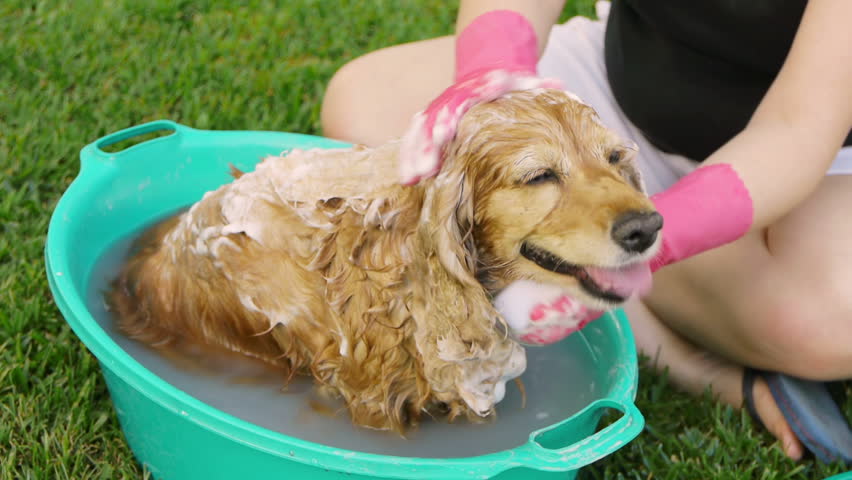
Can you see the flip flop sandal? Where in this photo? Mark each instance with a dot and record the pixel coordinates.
(809, 409)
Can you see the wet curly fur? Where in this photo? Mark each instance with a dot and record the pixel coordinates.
(319, 263)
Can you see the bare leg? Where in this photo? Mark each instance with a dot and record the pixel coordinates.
(372, 98)
(780, 301)
(694, 369)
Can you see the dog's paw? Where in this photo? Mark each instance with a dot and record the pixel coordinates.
(482, 381)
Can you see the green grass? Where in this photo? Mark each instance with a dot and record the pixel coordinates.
(69, 75)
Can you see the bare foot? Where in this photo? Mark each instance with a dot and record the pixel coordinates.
(694, 369)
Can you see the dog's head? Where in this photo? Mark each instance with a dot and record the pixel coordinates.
(537, 188)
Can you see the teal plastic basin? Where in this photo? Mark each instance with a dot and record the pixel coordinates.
(179, 437)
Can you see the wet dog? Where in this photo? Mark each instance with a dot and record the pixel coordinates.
(319, 263)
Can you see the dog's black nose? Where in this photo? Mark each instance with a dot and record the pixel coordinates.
(636, 231)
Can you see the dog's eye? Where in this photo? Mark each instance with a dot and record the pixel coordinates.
(615, 157)
(543, 176)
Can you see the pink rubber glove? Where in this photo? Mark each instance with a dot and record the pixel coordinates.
(706, 209)
(495, 54)
(539, 314)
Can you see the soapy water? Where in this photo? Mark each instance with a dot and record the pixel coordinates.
(560, 380)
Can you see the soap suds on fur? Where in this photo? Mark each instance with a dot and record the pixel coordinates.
(485, 384)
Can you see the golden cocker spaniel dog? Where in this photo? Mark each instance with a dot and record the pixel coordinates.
(319, 263)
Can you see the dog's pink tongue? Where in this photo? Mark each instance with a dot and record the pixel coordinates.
(623, 281)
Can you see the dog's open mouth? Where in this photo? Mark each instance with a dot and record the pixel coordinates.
(614, 285)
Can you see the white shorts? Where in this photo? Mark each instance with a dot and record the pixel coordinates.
(575, 55)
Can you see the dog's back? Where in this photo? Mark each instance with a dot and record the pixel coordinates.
(300, 264)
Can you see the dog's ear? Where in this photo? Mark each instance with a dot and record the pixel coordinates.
(447, 219)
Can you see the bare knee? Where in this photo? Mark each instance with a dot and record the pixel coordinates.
(805, 335)
(341, 116)
(372, 99)
(366, 101)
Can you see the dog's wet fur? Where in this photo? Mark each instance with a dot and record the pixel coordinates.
(319, 263)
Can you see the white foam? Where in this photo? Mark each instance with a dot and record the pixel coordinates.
(485, 384)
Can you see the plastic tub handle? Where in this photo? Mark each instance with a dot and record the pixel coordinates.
(590, 449)
(135, 131)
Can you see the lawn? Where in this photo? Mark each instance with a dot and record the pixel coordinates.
(70, 74)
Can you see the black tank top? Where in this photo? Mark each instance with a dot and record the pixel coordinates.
(690, 73)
